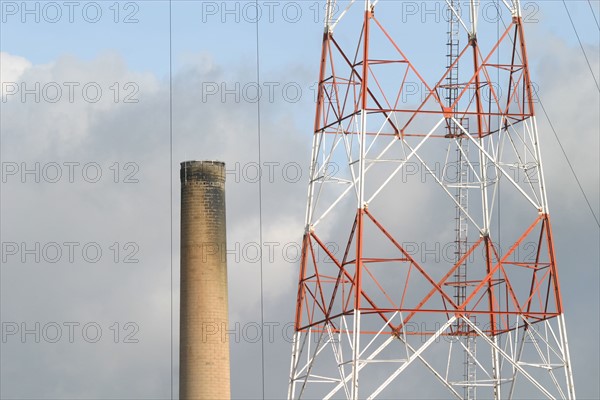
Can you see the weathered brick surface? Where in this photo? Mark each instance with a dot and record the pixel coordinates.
(204, 349)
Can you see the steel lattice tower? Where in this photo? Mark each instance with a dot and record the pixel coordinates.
(374, 318)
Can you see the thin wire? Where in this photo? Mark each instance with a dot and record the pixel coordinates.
(171, 173)
(1, 266)
(581, 45)
(569, 162)
(260, 233)
(594, 14)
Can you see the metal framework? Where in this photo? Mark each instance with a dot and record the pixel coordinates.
(462, 202)
(376, 316)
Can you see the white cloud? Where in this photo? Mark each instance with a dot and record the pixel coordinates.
(11, 68)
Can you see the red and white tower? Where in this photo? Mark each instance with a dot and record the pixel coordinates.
(375, 317)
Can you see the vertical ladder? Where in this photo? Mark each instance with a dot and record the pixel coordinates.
(470, 366)
(462, 199)
(452, 55)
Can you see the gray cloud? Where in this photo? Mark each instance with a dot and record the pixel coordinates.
(140, 212)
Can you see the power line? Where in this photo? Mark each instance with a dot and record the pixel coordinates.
(594, 14)
(171, 171)
(581, 45)
(569, 162)
(260, 233)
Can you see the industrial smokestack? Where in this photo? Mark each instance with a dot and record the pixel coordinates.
(204, 348)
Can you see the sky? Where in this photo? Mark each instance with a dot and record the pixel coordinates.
(100, 103)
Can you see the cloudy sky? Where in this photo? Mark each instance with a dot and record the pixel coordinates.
(101, 101)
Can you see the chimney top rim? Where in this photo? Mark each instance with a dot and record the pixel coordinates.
(201, 162)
